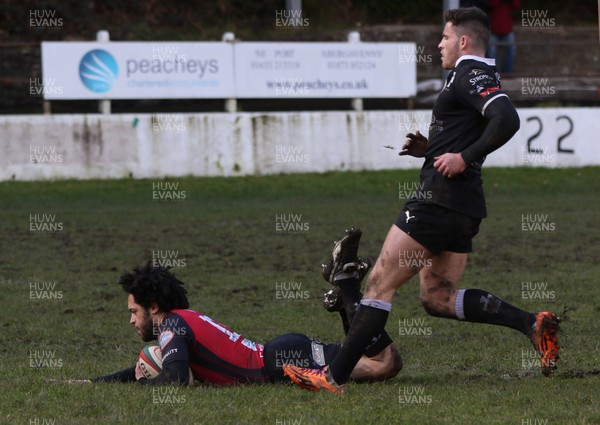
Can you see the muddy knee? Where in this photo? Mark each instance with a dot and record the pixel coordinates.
(437, 296)
(431, 307)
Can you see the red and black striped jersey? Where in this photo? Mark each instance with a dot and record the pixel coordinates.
(215, 353)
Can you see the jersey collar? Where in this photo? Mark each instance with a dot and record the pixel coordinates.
(487, 61)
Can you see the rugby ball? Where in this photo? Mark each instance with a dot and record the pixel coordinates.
(150, 362)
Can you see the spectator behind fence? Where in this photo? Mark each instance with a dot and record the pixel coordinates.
(502, 33)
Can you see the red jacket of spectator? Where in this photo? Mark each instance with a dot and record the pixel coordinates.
(501, 15)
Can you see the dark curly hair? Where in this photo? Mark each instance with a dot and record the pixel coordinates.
(471, 20)
(151, 284)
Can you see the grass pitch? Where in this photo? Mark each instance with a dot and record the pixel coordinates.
(64, 245)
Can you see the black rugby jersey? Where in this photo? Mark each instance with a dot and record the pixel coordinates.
(457, 122)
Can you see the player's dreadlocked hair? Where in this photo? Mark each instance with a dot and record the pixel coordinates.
(155, 284)
(471, 20)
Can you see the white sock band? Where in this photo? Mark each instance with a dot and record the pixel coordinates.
(459, 304)
(381, 305)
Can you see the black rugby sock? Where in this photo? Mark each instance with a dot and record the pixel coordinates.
(367, 327)
(475, 305)
(351, 296)
(345, 321)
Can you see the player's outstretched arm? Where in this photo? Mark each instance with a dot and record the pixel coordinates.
(125, 375)
(69, 381)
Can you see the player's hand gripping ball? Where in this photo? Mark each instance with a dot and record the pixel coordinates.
(149, 364)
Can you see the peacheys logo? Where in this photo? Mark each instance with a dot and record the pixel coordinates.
(98, 70)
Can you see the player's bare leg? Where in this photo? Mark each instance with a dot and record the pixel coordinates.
(367, 329)
(389, 273)
(440, 297)
(345, 270)
(382, 360)
(438, 283)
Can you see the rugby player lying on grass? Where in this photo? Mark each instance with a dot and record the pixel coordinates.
(190, 340)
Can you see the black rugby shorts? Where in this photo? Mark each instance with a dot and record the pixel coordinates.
(298, 350)
(437, 228)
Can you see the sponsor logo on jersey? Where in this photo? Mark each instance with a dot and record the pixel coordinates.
(476, 72)
(164, 339)
(479, 78)
(172, 351)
